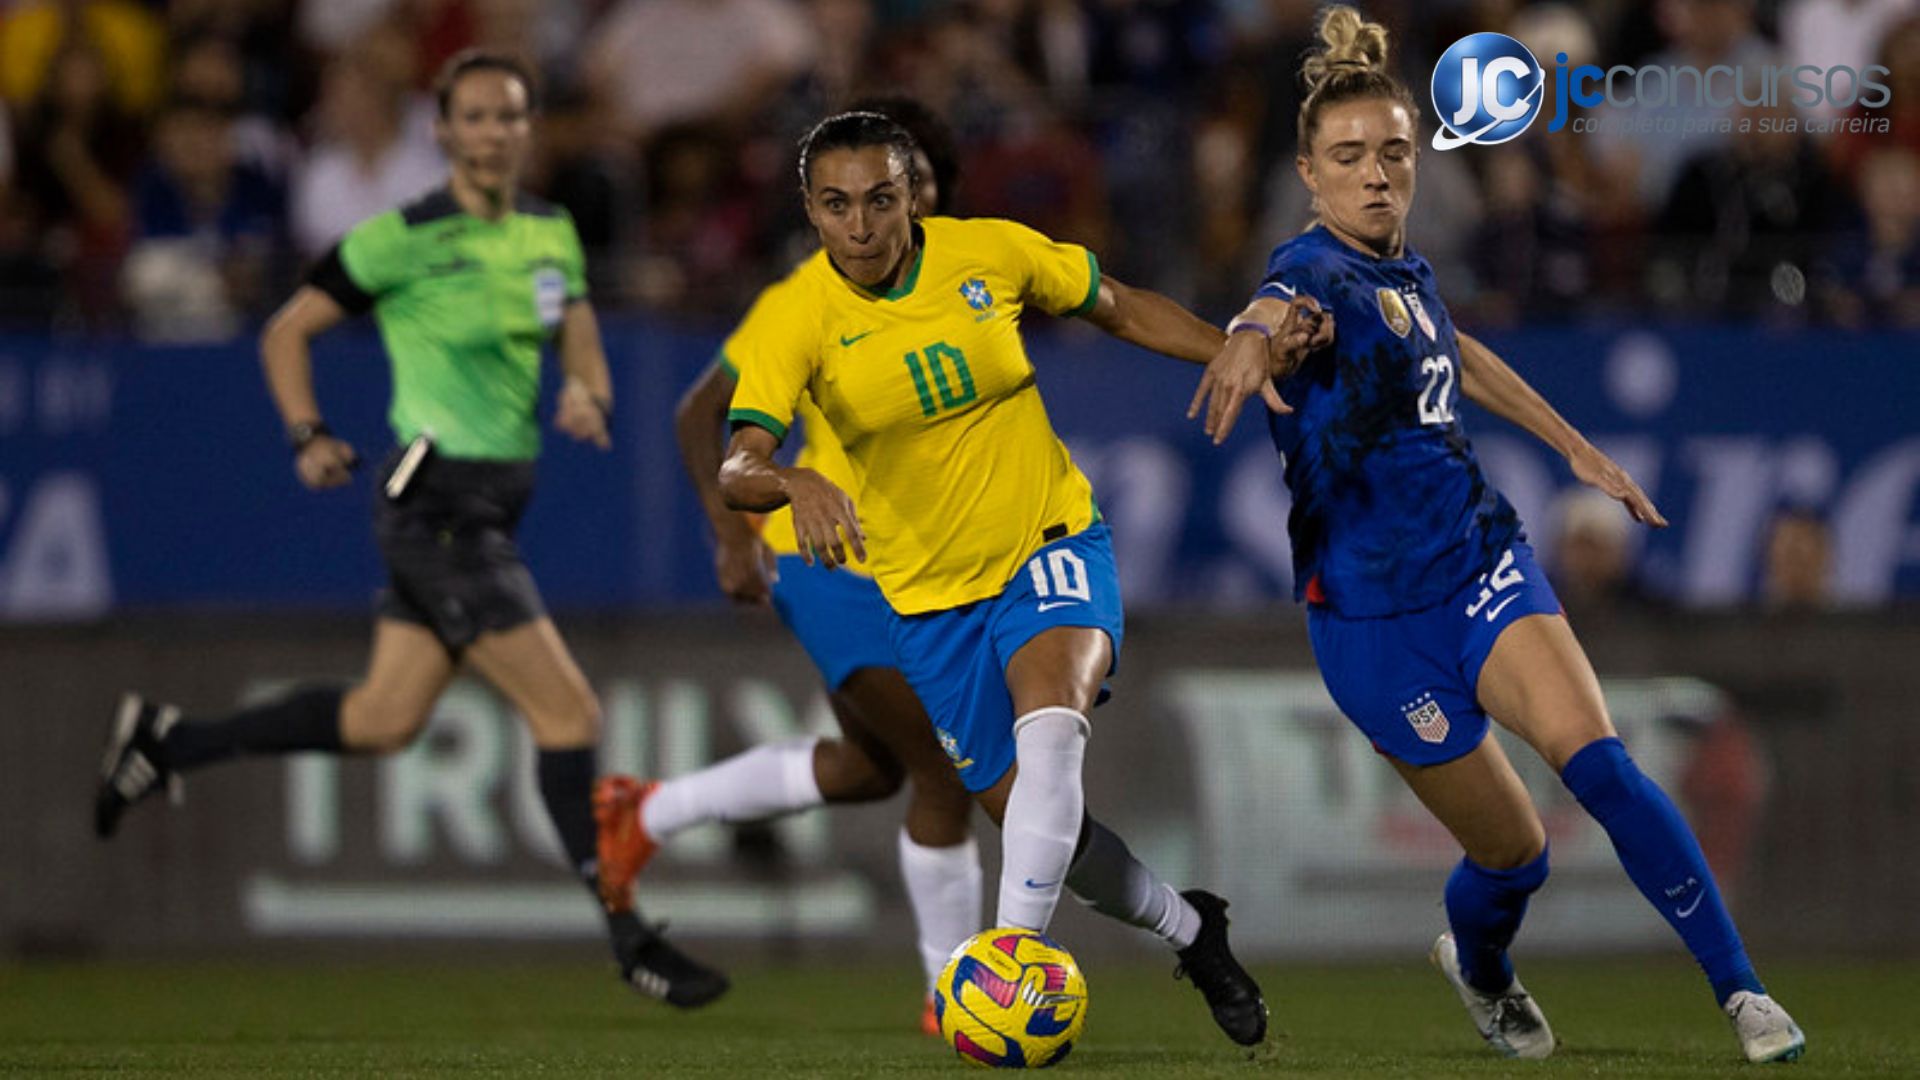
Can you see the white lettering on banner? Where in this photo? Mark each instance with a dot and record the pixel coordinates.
(448, 775)
(1254, 504)
(1733, 495)
(442, 798)
(1873, 528)
(1347, 859)
(55, 563)
(1143, 485)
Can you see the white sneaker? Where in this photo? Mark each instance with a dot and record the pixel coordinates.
(1510, 1021)
(1765, 1030)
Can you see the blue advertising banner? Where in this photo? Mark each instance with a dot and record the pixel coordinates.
(136, 476)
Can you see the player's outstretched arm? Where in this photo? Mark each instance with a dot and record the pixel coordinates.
(1264, 342)
(742, 564)
(1152, 321)
(1487, 381)
(586, 396)
(286, 355)
(824, 522)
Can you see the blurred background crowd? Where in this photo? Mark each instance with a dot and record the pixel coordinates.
(168, 166)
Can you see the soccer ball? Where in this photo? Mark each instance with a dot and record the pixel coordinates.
(1011, 999)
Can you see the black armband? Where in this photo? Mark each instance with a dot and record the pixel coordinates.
(330, 276)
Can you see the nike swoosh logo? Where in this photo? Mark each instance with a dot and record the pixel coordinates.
(1682, 913)
(1500, 607)
(845, 340)
(1057, 603)
(1288, 289)
(1032, 884)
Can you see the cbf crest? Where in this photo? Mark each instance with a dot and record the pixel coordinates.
(1393, 311)
(978, 297)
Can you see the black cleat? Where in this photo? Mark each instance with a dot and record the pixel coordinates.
(133, 768)
(653, 966)
(1230, 992)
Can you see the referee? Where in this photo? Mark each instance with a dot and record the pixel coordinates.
(466, 284)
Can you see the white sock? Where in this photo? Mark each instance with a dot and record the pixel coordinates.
(1042, 821)
(1107, 878)
(766, 781)
(943, 883)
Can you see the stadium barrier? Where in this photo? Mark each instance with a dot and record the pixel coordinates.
(1789, 743)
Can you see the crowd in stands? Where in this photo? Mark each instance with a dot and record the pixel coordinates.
(167, 168)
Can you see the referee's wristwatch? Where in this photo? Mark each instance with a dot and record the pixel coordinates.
(301, 434)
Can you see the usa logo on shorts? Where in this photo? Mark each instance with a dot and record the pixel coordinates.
(1429, 723)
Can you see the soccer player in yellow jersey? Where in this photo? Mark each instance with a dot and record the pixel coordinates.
(841, 620)
(985, 537)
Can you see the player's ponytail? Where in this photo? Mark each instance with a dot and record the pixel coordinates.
(1349, 64)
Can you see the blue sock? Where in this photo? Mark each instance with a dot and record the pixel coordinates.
(1484, 909)
(1660, 854)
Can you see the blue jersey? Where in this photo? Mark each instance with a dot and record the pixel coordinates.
(1391, 511)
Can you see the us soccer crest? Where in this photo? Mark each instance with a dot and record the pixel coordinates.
(1429, 722)
(1393, 311)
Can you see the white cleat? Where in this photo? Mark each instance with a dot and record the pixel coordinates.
(1510, 1021)
(1765, 1030)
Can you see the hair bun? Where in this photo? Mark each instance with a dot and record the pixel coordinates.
(1349, 45)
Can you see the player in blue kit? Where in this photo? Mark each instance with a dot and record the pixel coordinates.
(1426, 609)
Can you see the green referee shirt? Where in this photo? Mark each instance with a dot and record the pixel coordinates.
(464, 306)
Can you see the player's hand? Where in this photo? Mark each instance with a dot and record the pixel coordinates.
(580, 416)
(824, 521)
(1594, 468)
(325, 462)
(1243, 368)
(1311, 330)
(746, 569)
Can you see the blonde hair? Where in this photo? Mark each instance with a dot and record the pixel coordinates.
(1350, 64)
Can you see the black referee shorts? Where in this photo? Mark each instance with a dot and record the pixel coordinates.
(452, 563)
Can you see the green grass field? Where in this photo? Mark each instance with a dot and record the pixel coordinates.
(1648, 1018)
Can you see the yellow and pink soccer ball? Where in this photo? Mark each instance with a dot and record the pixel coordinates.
(1011, 999)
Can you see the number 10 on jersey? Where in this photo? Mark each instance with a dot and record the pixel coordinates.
(955, 388)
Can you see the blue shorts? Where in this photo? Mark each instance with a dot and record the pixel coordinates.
(1410, 681)
(839, 617)
(957, 659)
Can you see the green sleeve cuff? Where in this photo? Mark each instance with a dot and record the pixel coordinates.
(757, 419)
(1093, 288)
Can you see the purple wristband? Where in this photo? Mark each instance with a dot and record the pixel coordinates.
(1261, 328)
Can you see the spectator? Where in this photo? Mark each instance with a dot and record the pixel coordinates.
(126, 39)
(209, 68)
(208, 230)
(659, 62)
(1877, 265)
(1743, 229)
(1832, 33)
(1799, 562)
(78, 151)
(1591, 560)
(368, 158)
(1703, 33)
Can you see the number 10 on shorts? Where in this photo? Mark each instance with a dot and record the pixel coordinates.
(1060, 575)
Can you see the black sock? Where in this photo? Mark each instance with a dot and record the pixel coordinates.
(566, 785)
(307, 719)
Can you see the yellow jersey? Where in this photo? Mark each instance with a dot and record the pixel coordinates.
(957, 474)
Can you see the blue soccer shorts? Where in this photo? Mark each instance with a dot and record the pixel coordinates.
(1409, 681)
(839, 616)
(956, 660)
